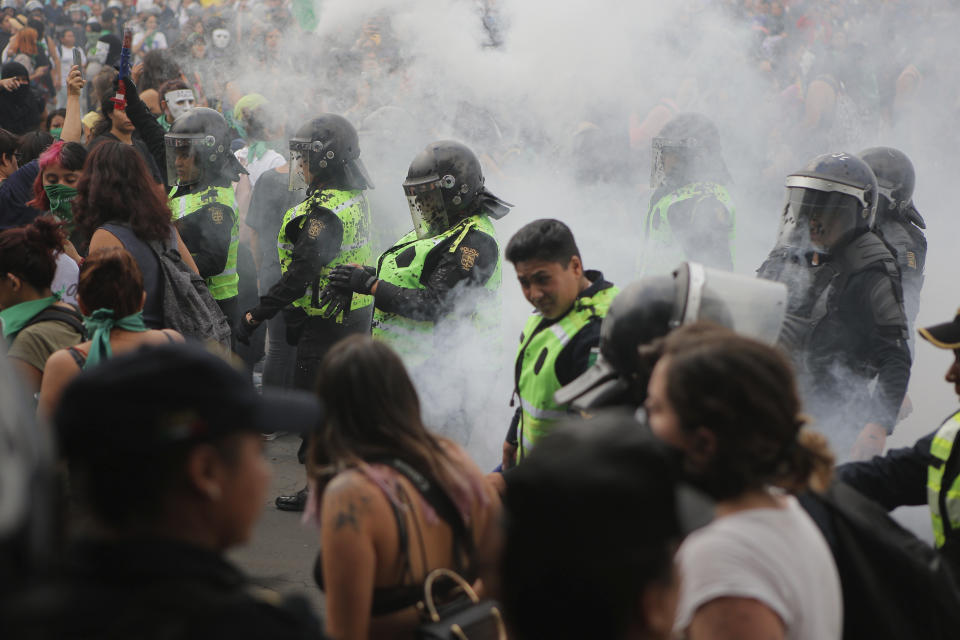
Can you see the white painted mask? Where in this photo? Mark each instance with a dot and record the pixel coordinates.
(101, 52)
(221, 38)
(179, 102)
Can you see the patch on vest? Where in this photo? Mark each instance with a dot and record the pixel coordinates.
(314, 229)
(468, 258)
(911, 259)
(216, 214)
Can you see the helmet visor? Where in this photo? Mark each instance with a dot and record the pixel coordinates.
(299, 173)
(668, 154)
(184, 156)
(818, 220)
(427, 209)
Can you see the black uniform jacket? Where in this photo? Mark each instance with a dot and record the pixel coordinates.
(153, 589)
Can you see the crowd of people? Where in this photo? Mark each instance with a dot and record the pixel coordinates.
(194, 258)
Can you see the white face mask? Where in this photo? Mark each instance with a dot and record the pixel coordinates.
(101, 52)
(221, 38)
(179, 102)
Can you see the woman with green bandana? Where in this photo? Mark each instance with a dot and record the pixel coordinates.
(35, 323)
(111, 297)
(56, 185)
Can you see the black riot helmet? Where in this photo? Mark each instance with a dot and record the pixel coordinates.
(198, 150)
(896, 180)
(830, 201)
(687, 149)
(655, 305)
(444, 184)
(329, 149)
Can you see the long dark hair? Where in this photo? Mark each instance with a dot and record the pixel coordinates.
(373, 411)
(29, 252)
(745, 393)
(117, 187)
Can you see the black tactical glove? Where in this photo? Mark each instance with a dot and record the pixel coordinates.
(246, 327)
(337, 300)
(356, 279)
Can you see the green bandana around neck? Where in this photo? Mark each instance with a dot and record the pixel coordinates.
(257, 149)
(55, 132)
(61, 200)
(99, 325)
(16, 317)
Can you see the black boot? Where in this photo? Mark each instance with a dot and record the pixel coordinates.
(296, 502)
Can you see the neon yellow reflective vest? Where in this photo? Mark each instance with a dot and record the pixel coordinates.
(353, 210)
(540, 346)
(413, 339)
(662, 252)
(223, 286)
(943, 493)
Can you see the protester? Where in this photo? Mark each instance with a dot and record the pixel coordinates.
(762, 568)
(389, 496)
(111, 297)
(114, 124)
(119, 205)
(35, 322)
(624, 583)
(55, 186)
(165, 457)
(21, 107)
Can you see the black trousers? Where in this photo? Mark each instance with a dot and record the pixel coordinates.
(319, 335)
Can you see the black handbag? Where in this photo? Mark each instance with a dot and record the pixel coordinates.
(466, 617)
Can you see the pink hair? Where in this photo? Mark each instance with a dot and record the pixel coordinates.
(53, 155)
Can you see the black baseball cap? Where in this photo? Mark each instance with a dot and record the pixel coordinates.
(945, 336)
(161, 396)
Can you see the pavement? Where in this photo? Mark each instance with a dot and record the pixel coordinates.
(281, 553)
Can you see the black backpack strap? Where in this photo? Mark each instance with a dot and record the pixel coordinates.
(437, 498)
(67, 315)
(77, 356)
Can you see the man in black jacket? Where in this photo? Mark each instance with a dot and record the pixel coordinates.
(929, 471)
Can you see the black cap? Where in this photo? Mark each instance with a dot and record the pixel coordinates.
(945, 336)
(168, 395)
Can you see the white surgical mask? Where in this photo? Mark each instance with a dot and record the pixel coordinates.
(221, 38)
(179, 102)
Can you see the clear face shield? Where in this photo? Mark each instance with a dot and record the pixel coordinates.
(752, 307)
(299, 174)
(184, 155)
(427, 209)
(667, 155)
(819, 214)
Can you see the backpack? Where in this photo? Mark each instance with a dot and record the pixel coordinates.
(70, 317)
(188, 306)
(894, 585)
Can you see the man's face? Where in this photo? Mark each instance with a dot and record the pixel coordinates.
(68, 40)
(825, 229)
(953, 373)
(121, 122)
(185, 164)
(178, 102)
(550, 287)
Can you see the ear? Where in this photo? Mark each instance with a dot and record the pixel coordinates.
(577, 265)
(205, 472)
(15, 282)
(702, 447)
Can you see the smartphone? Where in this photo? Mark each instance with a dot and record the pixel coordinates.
(78, 60)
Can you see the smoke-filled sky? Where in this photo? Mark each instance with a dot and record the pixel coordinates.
(562, 111)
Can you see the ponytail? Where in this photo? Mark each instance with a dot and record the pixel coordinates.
(808, 464)
(30, 252)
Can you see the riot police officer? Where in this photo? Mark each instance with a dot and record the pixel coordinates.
(329, 228)
(846, 324)
(691, 213)
(898, 221)
(655, 305)
(200, 170)
(453, 245)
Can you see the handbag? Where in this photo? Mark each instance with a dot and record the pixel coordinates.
(466, 617)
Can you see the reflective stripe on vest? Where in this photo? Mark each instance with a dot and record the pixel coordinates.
(661, 251)
(353, 211)
(224, 285)
(413, 339)
(944, 492)
(536, 362)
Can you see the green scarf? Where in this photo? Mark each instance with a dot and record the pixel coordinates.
(100, 324)
(55, 132)
(257, 149)
(16, 317)
(60, 197)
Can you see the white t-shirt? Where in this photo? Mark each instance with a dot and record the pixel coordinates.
(269, 160)
(776, 556)
(65, 278)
